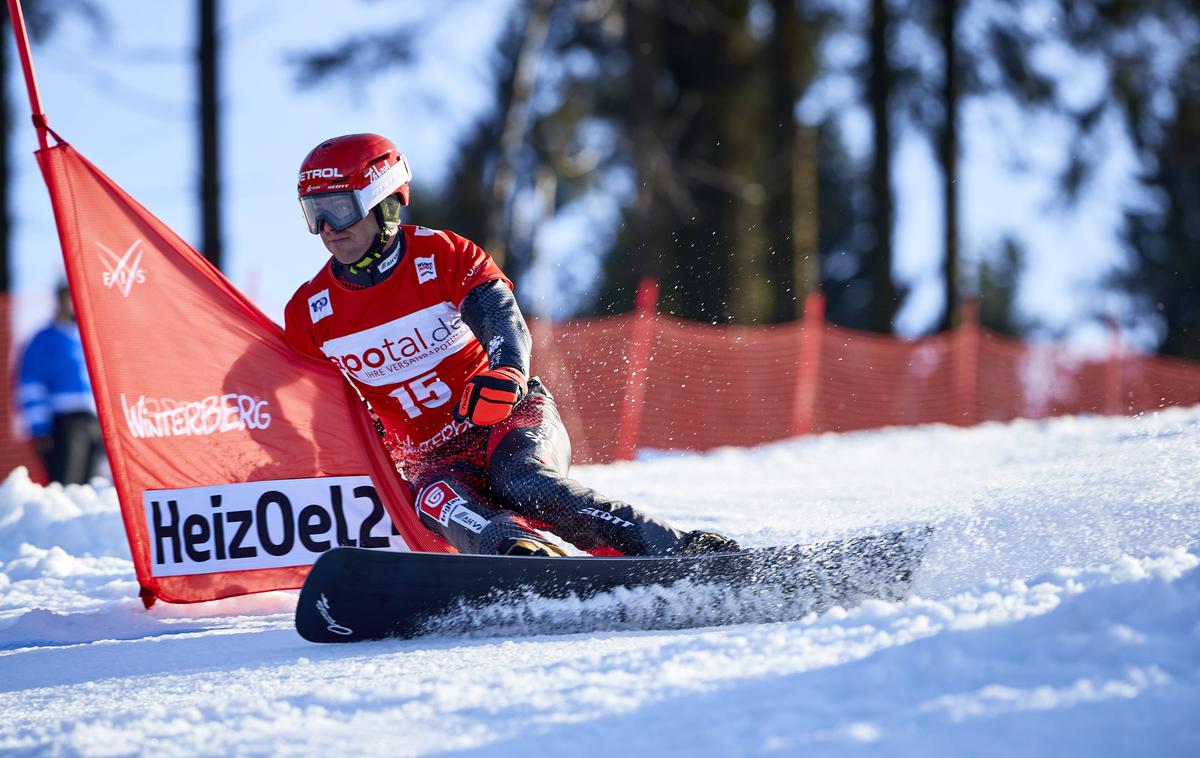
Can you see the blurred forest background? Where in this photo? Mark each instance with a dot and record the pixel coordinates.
(737, 180)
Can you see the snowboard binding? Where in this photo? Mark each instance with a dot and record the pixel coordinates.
(700, 542)
(530, 547)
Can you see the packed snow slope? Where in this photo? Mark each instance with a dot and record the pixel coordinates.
(1057, 614)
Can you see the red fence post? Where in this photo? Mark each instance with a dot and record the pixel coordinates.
(1114, 389)
(642, 336)
(966, 362)
(808, 373)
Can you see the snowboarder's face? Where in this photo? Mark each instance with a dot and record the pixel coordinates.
(352, 243)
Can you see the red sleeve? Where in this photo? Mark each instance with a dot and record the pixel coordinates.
(296, 326)
(469, 266)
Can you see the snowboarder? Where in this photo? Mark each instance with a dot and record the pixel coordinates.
(426, 327)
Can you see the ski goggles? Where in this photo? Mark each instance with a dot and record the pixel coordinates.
(345, 208)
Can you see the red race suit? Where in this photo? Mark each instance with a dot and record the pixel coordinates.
(402, 342)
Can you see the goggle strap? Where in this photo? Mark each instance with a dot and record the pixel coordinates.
(384, 185)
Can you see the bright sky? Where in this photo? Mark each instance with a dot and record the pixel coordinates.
(127, 104)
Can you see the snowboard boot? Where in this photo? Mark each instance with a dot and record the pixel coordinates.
(527, 546)
(700, 542)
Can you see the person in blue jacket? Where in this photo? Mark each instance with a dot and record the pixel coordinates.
(56, 398)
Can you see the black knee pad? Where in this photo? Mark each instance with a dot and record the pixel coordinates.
(528, 490)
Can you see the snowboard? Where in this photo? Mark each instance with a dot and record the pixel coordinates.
(354, 594)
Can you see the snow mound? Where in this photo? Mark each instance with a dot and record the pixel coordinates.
(1057, 612)
(42, 627)
(81, 519)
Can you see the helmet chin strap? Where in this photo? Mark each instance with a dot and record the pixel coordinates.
(387, 213)
(382, 242)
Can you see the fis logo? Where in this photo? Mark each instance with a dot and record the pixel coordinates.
(319, 306)
(373, 172)
(320, 173)
(426, 271)
(122, 271)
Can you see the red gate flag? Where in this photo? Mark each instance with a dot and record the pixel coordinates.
(236, 459)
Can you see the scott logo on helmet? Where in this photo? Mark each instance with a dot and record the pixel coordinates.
(320, 173)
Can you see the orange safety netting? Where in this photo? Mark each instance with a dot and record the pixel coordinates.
(703, 386)
(700, 386)
(15, 446)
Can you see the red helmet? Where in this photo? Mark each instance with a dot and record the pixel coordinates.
(342, 179)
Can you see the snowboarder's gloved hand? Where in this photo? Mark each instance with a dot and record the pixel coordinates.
(490, 396)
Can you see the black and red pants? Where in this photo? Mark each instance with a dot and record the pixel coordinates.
(491, 484)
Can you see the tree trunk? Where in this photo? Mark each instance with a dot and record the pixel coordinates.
(879, 262)
(6, 129)
(742, 159)
(516, 124)
(210, 163)
(806, 171)
(647, 238)
(948, 157)
(783, 244)
(806, 224)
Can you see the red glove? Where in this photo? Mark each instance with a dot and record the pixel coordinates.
(490, 396)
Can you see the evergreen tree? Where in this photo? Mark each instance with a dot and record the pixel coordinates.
(1151, 52)
(884, 300)
(695, 102)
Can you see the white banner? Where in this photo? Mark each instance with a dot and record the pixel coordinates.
(270, 524)
(401, 349)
